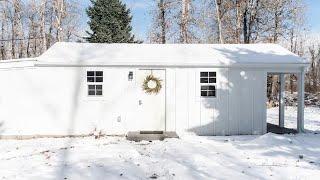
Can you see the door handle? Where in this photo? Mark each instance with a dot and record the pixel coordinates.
(140, 102)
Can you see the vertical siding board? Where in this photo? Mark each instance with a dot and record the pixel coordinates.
(188, 97)
(232, 110)
(263, 95)
(253, 111)
(195, 115)
(181, 100)
(259, 103)
(246, 102)
(228, 100)
(221, 105)
(170, 100)
(264, 109)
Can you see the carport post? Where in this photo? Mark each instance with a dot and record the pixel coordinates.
(300, 115)
(281, 99)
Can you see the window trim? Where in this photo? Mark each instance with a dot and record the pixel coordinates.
(94, 83)
(206, 85)
(95, 76)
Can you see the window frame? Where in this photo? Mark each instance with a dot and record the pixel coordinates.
(95, 76)
(94, 86)
(208, 84)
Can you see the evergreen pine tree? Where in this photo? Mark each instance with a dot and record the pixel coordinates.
(109, 22)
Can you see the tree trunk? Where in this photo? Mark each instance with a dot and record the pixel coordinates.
(3, 53)
(51, 27)
(276, 28)
(246, 38)
(28, 45)
(274, 86)
(43, 26)
(184, 21)
(18, 28)
(219, 20)
(238, 16)
(59, 11)
(162, 22)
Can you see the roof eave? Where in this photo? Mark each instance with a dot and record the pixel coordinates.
(251, 65)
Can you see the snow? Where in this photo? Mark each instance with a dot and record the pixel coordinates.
(191, 157)
(168, 54)
(311, 117)
(17, 63)
(269, 156)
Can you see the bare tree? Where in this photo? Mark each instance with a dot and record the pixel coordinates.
(60, 13)
(185, 19)
(238, 18)
(4, 32)
(313, 74)
(43, 25)
(28, 28)
(219, 20)
(162, 18)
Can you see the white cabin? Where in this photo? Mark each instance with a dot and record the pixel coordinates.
(79, 88)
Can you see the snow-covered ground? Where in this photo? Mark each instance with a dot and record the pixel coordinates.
(311, 117)
(191, 157)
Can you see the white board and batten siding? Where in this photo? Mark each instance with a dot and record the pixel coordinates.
(48, 95)
(238, 108)
(54, 101)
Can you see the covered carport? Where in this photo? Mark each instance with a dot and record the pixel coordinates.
(298, 69)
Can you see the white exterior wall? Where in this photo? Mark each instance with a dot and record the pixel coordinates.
(239, 108)
(54, 101)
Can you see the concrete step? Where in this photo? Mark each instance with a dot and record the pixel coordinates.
(150, 135)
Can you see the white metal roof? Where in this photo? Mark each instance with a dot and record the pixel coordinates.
(17, 63)
(168, 55)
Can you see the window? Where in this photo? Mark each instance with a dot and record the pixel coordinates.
(95, 90)
(208, 77)
(94, 76)
(208, 82)
(95, 80)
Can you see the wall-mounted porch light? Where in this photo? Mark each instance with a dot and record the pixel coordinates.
(130, 76)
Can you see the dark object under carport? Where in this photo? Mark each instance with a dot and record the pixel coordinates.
(280, 130)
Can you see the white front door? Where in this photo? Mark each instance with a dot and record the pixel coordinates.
(151, 107)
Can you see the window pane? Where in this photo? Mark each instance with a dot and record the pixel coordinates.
(203, 74)
(90, 79)
(99, 87)
(212, 74)
(99, 93)
(90, 73)
(212, 80)
(99, 79)
(211, 88)
(99, 73)
(91, 87)
(91, 93)
(204, 87)
(212, 93)
(204, 80)
(203, 93)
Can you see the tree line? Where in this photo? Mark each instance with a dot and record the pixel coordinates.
(28, 28)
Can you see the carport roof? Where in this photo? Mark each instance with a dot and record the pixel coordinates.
(74, 54)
